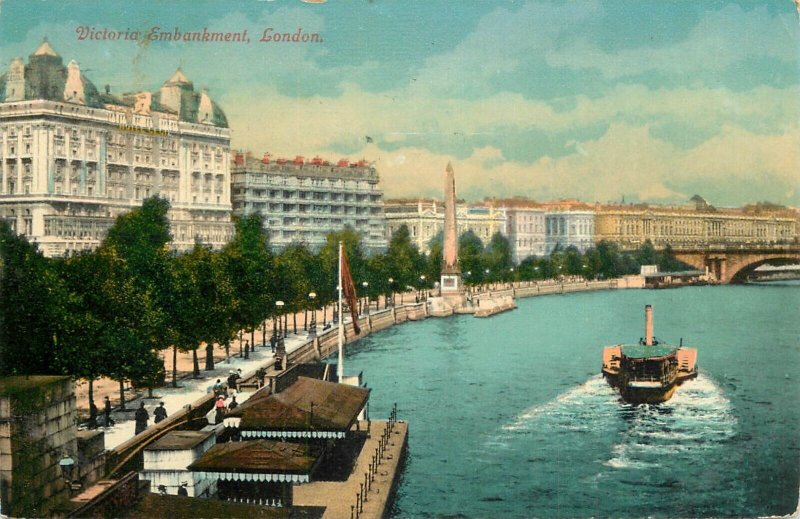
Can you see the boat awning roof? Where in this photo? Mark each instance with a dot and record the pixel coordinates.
(266, 457)
(638, 351)
(308, 404)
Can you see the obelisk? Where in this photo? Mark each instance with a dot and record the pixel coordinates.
(451, 273)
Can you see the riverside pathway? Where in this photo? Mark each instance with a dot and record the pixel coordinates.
(190, 390)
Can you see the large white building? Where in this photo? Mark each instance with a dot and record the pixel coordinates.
(303, 201)
(569, 227)
(526, 232)
(425, 219)
(73, 158)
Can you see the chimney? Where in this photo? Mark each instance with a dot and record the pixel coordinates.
(648, 325)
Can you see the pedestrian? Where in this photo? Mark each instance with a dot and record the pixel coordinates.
(233, 405)
(182, 490)
(219, 405)
(109, 421)
(141, 416)
(218, 388)
(92, 415)
(160, 413)
(261, 374)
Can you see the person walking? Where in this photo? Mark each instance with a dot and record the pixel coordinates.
(107, 412)
(141, 416)
(219, 405)
(218, 388)
(233, 405)
(261, 374)
(160, 413)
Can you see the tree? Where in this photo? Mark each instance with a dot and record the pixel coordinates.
(139, 240)
(293, 286)
(84, 349)
(497, 257)
(250, 267)
(204, 299)
(470, 257)
(431, 264)
(403, 261)
(32, 307)
(646, 255)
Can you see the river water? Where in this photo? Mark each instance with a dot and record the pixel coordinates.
(509, 416)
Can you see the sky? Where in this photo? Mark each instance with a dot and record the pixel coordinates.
(599, 100)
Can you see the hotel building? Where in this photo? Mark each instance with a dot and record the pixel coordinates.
(303, 201)
(74, 158)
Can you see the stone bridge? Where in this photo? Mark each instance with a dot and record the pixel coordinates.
(733, 263)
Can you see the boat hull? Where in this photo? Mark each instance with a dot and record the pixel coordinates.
(645, 395)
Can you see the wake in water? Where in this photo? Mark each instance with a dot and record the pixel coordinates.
(696, 418)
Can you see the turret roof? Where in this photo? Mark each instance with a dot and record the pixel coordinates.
(45, 50)
(179, 78)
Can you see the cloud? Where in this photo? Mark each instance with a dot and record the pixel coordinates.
(720, 39)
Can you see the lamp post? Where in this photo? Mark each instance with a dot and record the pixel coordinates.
(67, 464)
(281, 331)
(391, 294)
(365, 284)
(312, 329)
(422, 284)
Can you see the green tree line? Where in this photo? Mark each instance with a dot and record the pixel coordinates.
(111, 311)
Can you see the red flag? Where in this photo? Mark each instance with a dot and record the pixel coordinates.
(349, 291)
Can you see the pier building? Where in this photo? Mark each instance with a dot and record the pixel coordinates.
(304, 200)
(425, 220)
(74, 158)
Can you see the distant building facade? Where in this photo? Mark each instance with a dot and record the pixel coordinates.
(303, 201)
(631, 226)
(425, 219)
(569, 228)
(73, 158)
(526, 232)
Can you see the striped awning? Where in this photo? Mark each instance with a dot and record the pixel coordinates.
(240, 476)
(293, 434)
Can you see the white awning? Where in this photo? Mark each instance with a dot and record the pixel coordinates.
(292, 434)
(241, 476)
(232, 422)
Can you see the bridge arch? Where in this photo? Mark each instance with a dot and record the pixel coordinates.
(741, 275)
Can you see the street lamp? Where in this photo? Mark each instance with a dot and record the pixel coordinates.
(66, 463)
(312, 329)
(281, 331)
(391, 293)
(366, 297)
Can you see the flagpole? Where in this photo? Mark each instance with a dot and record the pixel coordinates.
(340, 365)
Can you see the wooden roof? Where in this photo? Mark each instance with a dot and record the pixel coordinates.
(265, 456)
(335, 407)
